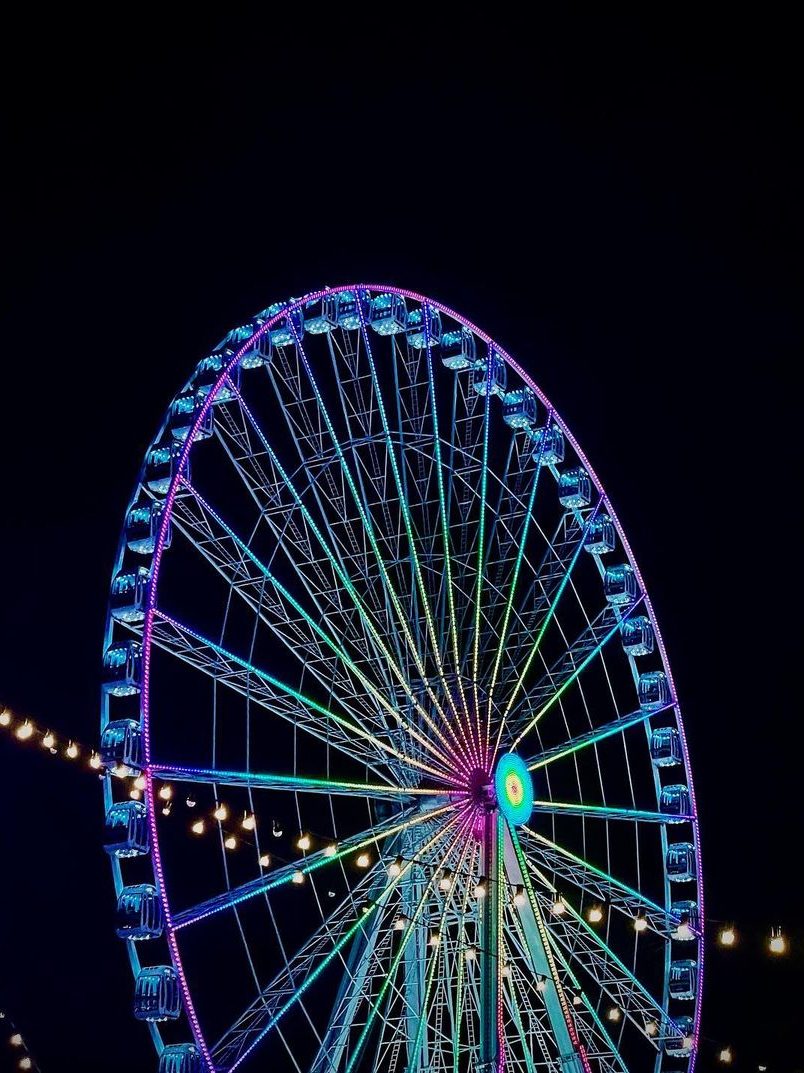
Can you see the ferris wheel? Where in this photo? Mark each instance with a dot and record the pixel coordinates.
(376, 630)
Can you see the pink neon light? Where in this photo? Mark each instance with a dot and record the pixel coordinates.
(148, 626)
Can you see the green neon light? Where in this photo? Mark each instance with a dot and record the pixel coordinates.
(480, 551)
(615, 727)
(603, 812)
(285, 782)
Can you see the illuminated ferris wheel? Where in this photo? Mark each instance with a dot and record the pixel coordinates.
(374, 616)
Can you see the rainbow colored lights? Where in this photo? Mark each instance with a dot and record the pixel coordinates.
(513, 786)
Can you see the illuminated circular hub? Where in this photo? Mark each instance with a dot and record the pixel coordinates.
(514, 789)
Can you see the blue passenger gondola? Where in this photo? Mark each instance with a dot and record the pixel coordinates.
(121, 744)
(548, 445)
(519, 408)
(157, 995)
(665, 747)
(653, 690)
(161, 465)
(207, 374)
(687, 913)
(350, 307)
(184, 410)
(139, 913)
(388, 314)
(180, 1058)
(601, 536)
(321, 315)
(122, 668)
(681, 862)
(681, 1047)
(574, 488)
(620, 585)
(129, 594)
(289, 330)
(458, 350)
(637, 636)
(683, 979)
(126, 829)
(417, 337)
(142, 528)
(490, 375)
(675, 803)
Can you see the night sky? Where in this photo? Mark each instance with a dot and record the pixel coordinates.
(616, 203)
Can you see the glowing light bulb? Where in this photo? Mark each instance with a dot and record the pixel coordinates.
(651, 1028)
(71, 751)
(541, 983)
(139, 782)
(265, 860)
(198, 827)
(445, 882)
(558, 907)
(595, 914)
(777, 943)
(221, 813)
(230, 842)
(727, 937)
(298, 876)
(435, 939)
(395, 868)
(640, 923)
(331, 849)
(303, 842)
(400, 922)
(249, 821)
(25, 730)
(167, 808)
(166, 792)
(506, 971)
(94, 761)
(577, 1000)
(363, 861)
(16, 1040)
(471, 953)
(520, 898)
(5, 718)
(614, 1014)
(25, 1062)
(481, 888)
(134, 794)
(684, 933)
(49, 740)
(726, 1056)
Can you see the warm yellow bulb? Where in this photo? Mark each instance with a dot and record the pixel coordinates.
(72, 750)
(520, 898)
(363, 861)
(25, 1062)
(265, 860)
(5, 718)
(331, 849)
(471, 953)
(304, 842)
(139, 782)
(198, 827)
(777, 943)
(595, 914)
(614, 1014)
(16, 1040)
(727, 937)
(135, 794)
(577, 1000)
(230, 842)
(435, 938)
(25, 730)
(651, 1028)
(166, 792)
(395, 868)
(726, 1056)
(249, 822)
(94, 761)
(541, 983)
(640, 923)
(298, 876)
(558, 907)
(221, 813)
(49, 740)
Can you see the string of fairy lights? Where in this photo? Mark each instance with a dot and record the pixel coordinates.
(19, 1048)
(235, 833)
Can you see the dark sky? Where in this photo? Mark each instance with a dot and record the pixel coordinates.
(617, 203)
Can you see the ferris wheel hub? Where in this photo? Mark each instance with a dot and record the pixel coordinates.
(513, 787)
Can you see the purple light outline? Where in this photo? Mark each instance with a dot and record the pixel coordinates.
(157, 558)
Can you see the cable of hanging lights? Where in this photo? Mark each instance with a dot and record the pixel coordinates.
(23, 1059)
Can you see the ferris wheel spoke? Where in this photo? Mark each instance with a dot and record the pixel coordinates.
(588, 950)
(540, 953)
(327, 944)
(512, 585)
(575, 674)
(292, 783)
(549, 856)
(592, 737)
(276, 696)
(551, 610)
(604, 812)
(463, 745)
(298, 640)
(515, 1014)
(307, 864)
(409, 930)
(359, 602)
